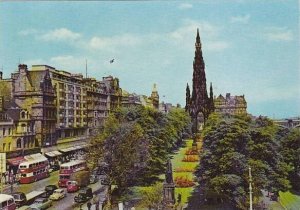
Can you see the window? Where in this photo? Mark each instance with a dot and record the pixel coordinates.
(9, 131)
(23, 114)
(9, 145)
(3, 204)
(10, 201)
(3, 131)
(4, 147)
(19, 143)
(23, 127)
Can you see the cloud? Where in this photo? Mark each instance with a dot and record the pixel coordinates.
(27, 32)
(185, 6)
(68, 62)
(184, 35)
(217, 46)
(112, 43)
(61, 34)
(240, 19)
(37, 61)
(279, 34)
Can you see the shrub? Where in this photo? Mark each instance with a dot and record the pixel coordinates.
(181, 181)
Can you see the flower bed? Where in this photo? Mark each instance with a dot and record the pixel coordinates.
(190, 158)
(181, 181)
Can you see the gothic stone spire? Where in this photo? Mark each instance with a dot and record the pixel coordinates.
(199, 100)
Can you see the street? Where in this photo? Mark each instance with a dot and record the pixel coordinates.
(39, 185)
(66, 203)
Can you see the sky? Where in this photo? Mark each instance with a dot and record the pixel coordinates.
(250, 47)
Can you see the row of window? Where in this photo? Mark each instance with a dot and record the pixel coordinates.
(33, 165)
(39, 172)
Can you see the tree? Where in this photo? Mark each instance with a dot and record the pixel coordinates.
(134, 143)
(151, 197)
(231, 144)
(290, 150)
(187, 98)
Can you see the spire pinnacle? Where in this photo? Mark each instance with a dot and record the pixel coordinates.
(198, 36)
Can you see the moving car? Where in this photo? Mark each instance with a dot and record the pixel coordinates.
(24, 208)
(94, 179)
(20, 198)
(41, 203)
(50, 189)
(84, 195)
(72, 186)
(58, 194)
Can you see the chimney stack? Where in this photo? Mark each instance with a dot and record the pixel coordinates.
(1, 74)
(22, 68)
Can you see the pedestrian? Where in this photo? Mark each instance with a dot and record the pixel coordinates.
(89, 205)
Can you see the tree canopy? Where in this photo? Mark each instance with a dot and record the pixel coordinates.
(135, 142)
(231, 145)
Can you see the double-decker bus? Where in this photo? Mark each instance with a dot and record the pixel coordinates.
(7, 202)
(33, 169)
(67, 169)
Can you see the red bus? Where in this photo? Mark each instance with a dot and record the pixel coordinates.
(35, 167)
(67, 169)
(7, 202)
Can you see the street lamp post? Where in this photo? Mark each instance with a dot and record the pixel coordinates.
(250, 188)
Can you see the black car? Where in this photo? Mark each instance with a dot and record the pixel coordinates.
(50, 189)
(84, 195)
(20, 198)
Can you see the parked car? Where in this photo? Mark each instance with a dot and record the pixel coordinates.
(94, 179)
(41, 203)
(84, 195)
(58, 194)
(50, 189)
(20, 198)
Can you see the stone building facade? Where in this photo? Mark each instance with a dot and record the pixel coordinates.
(230, 104)
(44, 107)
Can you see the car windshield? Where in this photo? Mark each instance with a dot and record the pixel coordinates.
(49, 188)
(16, 196)
(81, 195)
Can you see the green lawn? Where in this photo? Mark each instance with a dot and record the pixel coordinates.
(289, 201)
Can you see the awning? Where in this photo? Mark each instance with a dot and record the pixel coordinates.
(16, 161)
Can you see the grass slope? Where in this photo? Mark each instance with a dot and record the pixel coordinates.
(289, 201)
